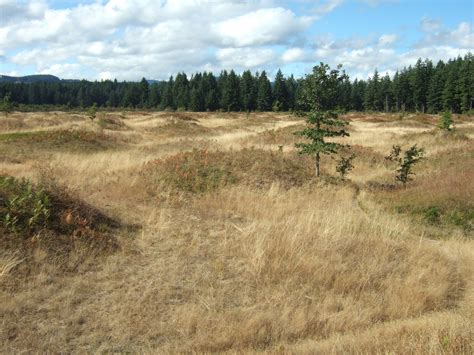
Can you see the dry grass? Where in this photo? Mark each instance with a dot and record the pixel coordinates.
(238, 249)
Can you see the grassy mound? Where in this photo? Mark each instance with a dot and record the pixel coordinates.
(203, 170)
(112, 122)
(32, 216)
(69, 140)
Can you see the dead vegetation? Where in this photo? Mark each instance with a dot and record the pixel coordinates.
(181, 232)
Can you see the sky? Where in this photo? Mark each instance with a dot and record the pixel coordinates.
(131, 39)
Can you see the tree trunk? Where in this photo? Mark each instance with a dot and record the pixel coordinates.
(317, 164)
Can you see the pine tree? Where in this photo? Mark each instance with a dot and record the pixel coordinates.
(292, 87)
(168, 101)
(318, 100)
(230, 100)
(181, 91)
(211, 95)
(357, 95)
(435, 89)
(248, 91)
(280, 93)
(145, 92)
(264, 93)
(386, 92)
(154, 97)
(197, 93)
(373, 93)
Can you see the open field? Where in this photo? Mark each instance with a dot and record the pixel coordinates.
(206, 232)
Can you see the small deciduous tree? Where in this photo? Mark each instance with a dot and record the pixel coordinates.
(446, 123)
(318, 102)
(410, 158)
(344, 165)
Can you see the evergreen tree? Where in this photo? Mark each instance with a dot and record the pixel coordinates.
(248, 91)
(373, 93)
(450, 88)
(168, 101)
(264, 93)
(387, 92)
(292, 87)
(211, 96)
(465, 93)
(358, 95)
(230, 92)
(145, 92)
(197, 93)
(280, 93)
(181, 91)
(318, 100)
(435, 89)
(154, 99)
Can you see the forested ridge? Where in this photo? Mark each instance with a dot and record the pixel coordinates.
(423, 87)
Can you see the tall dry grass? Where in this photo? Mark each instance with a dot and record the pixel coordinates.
(318, 267)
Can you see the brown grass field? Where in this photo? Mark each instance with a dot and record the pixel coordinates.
(207, 232)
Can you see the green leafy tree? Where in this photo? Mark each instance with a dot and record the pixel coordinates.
(411, 157)
(318, 100)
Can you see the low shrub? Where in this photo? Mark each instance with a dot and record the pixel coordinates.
(29, 212)
(200, 171)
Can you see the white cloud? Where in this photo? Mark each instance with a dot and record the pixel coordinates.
(430, 25)
(238, 58)
(14, 10)
(65, 70)
(386, 40)
(157, 38)
(293, 55)
(264, 26)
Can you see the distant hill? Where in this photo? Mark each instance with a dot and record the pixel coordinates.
(29, 79)
(46, 78)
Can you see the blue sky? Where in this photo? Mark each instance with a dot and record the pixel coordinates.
(129, 40)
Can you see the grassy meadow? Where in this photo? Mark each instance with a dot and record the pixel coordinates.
(165, 232)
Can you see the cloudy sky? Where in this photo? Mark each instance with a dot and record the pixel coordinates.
(131, 39)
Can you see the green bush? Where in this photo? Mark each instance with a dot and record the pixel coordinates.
(432, 215)
(446, 121)
(23, 209)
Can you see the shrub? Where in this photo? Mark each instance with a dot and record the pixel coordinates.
(345, 165)
(23, 208)
(202, 170)
(411, 157)
(92, 111)
(194, 172)
(446, 121)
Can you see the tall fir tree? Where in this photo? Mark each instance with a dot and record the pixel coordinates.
(280, 93)
(264, 93)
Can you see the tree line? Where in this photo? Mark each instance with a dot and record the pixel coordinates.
(423, 87)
